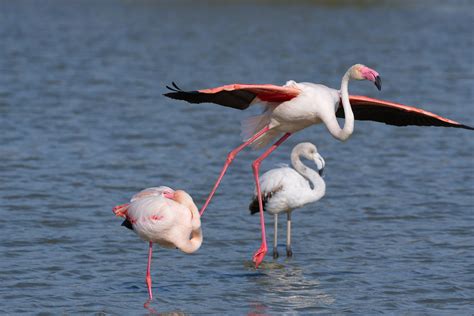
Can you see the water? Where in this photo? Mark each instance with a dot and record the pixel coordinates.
(83, 126)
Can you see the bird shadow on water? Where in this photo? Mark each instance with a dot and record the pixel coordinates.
(286, 279)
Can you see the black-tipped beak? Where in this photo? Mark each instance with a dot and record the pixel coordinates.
(378, 83)
(321, 172)
(127, 224)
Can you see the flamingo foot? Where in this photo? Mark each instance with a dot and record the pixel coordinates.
(148, 284)
(259, 255)
(275, 253)
(121, 210)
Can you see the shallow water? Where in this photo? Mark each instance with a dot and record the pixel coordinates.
(84, 125)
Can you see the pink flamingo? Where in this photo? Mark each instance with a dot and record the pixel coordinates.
(163, 216)
(295, 106)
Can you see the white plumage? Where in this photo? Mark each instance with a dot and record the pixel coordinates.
(284, 189)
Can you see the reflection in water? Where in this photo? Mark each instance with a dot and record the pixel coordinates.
(287, 285)
(153, 311)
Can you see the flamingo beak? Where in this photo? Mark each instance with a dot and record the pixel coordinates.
(321, 172)
(320, 163)
(378, 82)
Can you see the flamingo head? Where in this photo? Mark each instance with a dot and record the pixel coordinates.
(310, 152)
(182, 197)
(362, 72)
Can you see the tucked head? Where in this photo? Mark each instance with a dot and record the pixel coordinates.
(183, 197)
(362, 72)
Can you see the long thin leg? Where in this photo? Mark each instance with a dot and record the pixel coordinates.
(289, 252)
(148, 275)
(230, 158)
(275, 237)
(260, 253)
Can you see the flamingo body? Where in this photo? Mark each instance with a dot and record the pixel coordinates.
(281, 191)
(284, 189)
(163, 216)
(162, 221)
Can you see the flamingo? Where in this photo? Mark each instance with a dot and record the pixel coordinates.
(295, 106)
(163, 216)
(285, 189)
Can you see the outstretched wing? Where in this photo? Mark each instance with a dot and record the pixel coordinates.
(369, 109)
(237, 96)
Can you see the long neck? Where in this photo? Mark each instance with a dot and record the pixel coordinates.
(195, 217)
(346, 132)
(192, 244)
(319, 186)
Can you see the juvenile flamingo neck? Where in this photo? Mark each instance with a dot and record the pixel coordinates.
(319, 186)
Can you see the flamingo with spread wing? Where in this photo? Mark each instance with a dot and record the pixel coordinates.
(295, 106)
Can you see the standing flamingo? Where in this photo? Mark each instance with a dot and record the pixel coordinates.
(285, 189)
(295, 106)
(163, 216)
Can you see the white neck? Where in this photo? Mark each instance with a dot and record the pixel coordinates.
(319, 186)
(348, 129)
(192, 244)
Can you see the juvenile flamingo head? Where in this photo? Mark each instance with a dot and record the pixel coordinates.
(310, 152)
(362, 72)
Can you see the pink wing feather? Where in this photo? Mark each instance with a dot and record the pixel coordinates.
(240, 96)
(237, 96)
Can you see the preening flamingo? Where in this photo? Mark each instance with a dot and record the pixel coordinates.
(285, 189)
(295, 106)
(163, 216)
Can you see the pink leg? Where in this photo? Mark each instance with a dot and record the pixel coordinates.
(261, 252)
(230, 158)
(148, 275)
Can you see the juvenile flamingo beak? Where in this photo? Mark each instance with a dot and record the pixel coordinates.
(378, 82)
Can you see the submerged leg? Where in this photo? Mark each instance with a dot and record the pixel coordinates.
(289, 252)
(148, 275)
(275, 237)
(260, 253)
(230, 158)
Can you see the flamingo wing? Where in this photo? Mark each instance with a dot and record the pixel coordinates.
(237, 96)
(369, 109)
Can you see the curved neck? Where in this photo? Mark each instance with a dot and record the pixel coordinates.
(319, 186)
(194, 243)
(188, 202)
(195, 217)
(348, 128)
